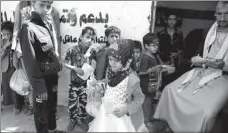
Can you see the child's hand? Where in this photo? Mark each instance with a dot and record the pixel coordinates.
(120, 111)
(78, 70)
(157, 68)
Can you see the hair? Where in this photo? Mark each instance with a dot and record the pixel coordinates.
(112, 29)
(169, 14)
(137, 45)
(86, 30)
(222, 3)
(149, 38)
(7, 25)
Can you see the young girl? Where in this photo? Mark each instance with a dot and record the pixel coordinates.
(119, 112)
(77, 93)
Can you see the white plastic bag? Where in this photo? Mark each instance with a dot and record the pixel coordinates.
(93, 100)
(19, 82)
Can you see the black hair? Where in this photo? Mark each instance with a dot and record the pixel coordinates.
(86, 29)
(149, 38)
(112, 29)
(7, 25)
(137, 45)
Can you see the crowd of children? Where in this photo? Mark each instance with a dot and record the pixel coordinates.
(130, 74)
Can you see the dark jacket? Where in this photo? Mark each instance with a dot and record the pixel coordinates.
(36, 45)
(167, 46)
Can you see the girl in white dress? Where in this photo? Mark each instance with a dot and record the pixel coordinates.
(117, 106)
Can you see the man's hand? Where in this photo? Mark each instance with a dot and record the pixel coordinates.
(120, 111)
(43, 96)
(198, 61)
(217, 64)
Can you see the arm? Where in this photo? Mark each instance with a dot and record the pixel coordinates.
(57, 25)
(33, 71)
(17, 26)
(67, 59)
(137, 101)
(143, 69)
(101, 65)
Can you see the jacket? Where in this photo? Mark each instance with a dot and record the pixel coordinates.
(36, 43)
(168, 45)
(135, 101)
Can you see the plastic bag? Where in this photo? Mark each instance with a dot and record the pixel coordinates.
(19, 82)
(93, 98)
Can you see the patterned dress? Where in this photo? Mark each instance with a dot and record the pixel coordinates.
(105, 121)
(77, 94)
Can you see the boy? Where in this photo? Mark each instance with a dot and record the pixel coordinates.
(38, 41)
(7, 60)
(74, 60)
(149, 72)
(137, 49)
(23, 13)
(112, 33)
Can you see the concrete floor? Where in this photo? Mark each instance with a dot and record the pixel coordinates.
(22, 123)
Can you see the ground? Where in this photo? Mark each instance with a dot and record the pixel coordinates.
(23, 123)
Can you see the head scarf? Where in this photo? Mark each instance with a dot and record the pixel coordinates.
(123, 51)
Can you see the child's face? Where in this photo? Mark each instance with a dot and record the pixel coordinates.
(114, 63)
(153, 47)
(137, 54)
(87, 39)
(112, 38)
(6, 34)
(42, 7)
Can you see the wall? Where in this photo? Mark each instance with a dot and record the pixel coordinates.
(130, 16)
(190, 24)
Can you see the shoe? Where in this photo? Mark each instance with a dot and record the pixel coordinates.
(16, 111)
(30, 112)
(71, 126)
(149, 124)
(26, 110)
(57, 131)
(84, 126)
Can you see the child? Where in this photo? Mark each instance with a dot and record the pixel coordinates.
(7, 59)
(41, 64)
(137, 47)
(123, 84)
(149, 72)
(23, 13)
(77, 93)
(112, 33)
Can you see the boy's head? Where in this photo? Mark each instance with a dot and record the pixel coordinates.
(151, 42)
(7, 30)
(171, 20)
(112, 33)
(137, 48)
(42, 7)
(87, 36)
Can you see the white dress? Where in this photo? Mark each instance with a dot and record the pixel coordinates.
(105, 121)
